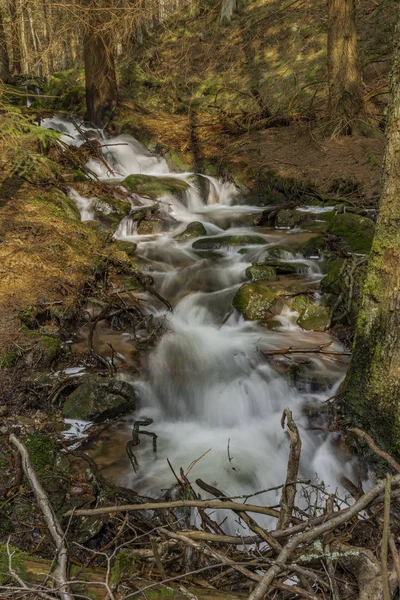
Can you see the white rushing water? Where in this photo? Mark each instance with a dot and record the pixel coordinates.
(207, 385)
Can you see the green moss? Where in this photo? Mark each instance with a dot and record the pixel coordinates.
(18, 563)
(51, 347)
(154, 187)
(126, 565)
(128, 247)
(97, 399)
(286, 219)
(193, 230)
(331, 282)
(314, 318)
(42, 450)
(111, 211)
(8, 359)
(80, 176)
(315, 246)
(257, 301)
(261, 271)
(356, 232)
(227, 241)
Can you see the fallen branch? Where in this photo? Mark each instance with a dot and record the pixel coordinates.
(176, 504)
(317, 350)
(53, 525)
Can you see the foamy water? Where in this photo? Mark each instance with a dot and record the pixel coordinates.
(207, 385)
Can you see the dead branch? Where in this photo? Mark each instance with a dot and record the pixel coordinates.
(51, 520)
(177, 504)
(317, 350)
(364, 436)
(289, 489)
(251, 523)
(309, 536)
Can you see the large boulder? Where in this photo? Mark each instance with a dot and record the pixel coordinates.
(261, 271)
(257, 302)
(155, 187)
(227, 241)
(193, 230)
(315, 246)
(97, 399)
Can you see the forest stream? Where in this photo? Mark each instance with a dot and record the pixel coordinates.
(207, 386)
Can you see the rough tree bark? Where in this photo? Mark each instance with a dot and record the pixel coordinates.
(372, 387)
(100, 75)
(15, 37)
(5, 74)
(346, 95)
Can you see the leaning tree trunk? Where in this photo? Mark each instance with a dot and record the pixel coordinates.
(372, 387)
(100, 75)
(346, 95)
(5, 74)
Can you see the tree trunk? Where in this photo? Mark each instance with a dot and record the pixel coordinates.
(372, 387)
(100, 76)
(16, 38)
(5, 74)
(227, 10)
(346, 95)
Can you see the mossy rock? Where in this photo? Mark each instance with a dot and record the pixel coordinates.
(111, 211)
(176, 162)
(286, 268)
(314, 226)
(315, 246)
(193, 230)
(301, 302)
(261, 271)
(355, 231)
(314, 318)
(287, 219)
(227, 241)
(51, 348)
(279, 252)
(155, 187)
(257, 302)
(331, 282)
(97, 399)
(128, 247)
(151, 226)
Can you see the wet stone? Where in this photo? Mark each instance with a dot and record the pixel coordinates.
(193, 230)
(257, 302)
(97, 399)
(261, 271)
(314, 318)
(227, 241)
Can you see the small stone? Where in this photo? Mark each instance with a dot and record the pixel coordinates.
(287, 219)
(193, 230)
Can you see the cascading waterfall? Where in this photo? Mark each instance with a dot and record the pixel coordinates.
(207, 384)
